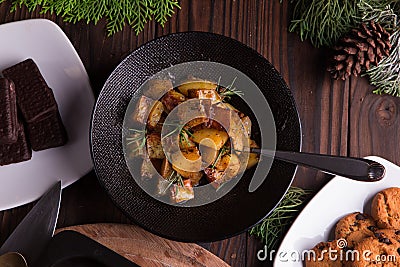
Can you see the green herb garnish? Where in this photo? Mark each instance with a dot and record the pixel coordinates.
(183, 136)
(227, 92)
(117, 12)
(139, 137)
(272, 228)
(174, 178)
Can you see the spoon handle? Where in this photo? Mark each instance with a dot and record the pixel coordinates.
(353, 168)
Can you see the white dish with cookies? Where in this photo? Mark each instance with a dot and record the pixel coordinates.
(45, 43)
(317, 221)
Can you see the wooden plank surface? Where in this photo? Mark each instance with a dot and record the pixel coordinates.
(146, 249)
(340, 118)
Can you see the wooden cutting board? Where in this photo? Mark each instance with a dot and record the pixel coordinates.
(146, 249)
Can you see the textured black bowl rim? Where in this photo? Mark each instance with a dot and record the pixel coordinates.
(144, 226)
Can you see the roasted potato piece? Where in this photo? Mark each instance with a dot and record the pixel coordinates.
(162, 186)
(154, 146)
(221, 115)
(155, 114)
(238, 135)
(219, 137)
(156, 88)
(196, 84)
(166, 169)
(246, 124)
(172, 99)
(142, 110)
(229, 106)
(194, 113)
(134, 145)
(182, 193)
(209, 153)
(194, 177)
(234, 166)
(253, 157)
(196, 122)
(205, 94)
(225, 169)
(160, 124)
(147, 170)
(223, 162)
(184, 167)
(213, 175)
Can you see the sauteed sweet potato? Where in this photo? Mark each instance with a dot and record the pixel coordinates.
(210, 145)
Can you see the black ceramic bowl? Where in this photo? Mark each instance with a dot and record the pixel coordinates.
(233, 213)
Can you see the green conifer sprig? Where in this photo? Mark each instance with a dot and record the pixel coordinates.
(118, 13)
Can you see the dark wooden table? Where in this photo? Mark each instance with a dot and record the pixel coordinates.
(339, 118)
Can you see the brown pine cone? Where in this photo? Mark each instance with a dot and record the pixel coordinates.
(358, 49)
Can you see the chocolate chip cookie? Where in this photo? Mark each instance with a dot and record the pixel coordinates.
(381, 250)
(327, 254)
(355, 227)
(385, 208)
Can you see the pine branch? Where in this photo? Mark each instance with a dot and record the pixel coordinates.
(118, 13)
(380, 11)
(323, 21)
(162, 10)
(386, 75)
(273, 228)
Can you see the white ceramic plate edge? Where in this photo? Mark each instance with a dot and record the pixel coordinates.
(309, 228)
(61, 41)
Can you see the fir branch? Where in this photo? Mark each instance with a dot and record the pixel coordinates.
(272, 228)
(386, 75)
(380, 11)
(118, 13)
(323, 21)
(163, 9)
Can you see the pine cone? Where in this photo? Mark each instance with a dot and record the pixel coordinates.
(358, 49)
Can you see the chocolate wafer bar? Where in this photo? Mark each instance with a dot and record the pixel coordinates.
(8, 112)
(16, 152)
(34, 97)
(47, 133)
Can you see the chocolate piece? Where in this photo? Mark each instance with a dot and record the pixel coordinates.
(34, 97)
(16, 152)
(38, 106)
(8, 112)
(48, 132)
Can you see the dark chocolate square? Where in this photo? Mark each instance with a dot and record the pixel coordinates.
(8, 112)
(47, 133)
(16, 152)
(34, 97)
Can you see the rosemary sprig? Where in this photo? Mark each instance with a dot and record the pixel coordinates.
(117, 12)
(139, 136)
(272, 228)
(171, 132)
(227, 92)
(174, 178)
(178, 127)
(183, 136)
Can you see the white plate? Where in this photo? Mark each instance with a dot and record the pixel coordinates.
(49, 47)
(338, 198)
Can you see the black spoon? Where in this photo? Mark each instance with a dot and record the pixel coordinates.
(354, 168)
